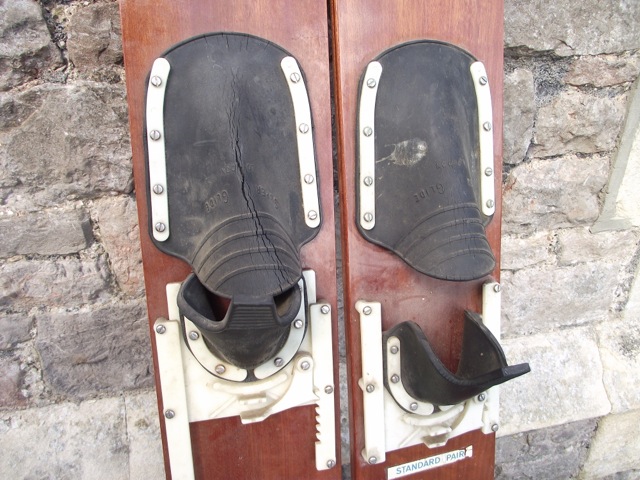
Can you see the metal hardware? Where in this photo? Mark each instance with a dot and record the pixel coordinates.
(371, 82)
(169, 414)
(278, 362)
(368, 131)
(370, 388)
(158, 189)
(367, 310)
(395, 378)
(488, 171)
(298, 324)
(305, 365)
(161, 329)
(303, 128)
(368, 217)
(331, 463)
(156, 81)
(160, 227)
(308, 179)
(294, 77)
(325, 309)
(373, 460)
(312, 215)
(328, 389)
(490, 203)
(394, 349)
(220, 369)
(487, 126)
(483, 80)
(194, 336)
(368, 181)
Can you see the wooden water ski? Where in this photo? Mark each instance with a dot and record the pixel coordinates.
(283, 445)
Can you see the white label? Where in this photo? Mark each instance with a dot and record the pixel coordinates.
(429, 463)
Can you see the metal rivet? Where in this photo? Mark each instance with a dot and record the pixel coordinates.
(160, 227)
(161, 329)
(495, 427)
(304, 128)
(305, 365)
(220, 369)
(325, 309)
(308, 179)
(154, 135)
(294, 77)
(394, 349)
(483, 80)
(487, 126)
(278, 362)
(488, 171)
(156, 81)
(370, 388)
(395, 378)
(368, 181)
(312, 215)
(169, 414)
(298, 323)
(194, 335)
(368, 217)
(328, 389)
(482, 397)
(490, 203)
(371, 82)
(158, 189)
(367, 310)
(373, 460)
(413, 407)
(331, 463)
(497, 288)
(367, 131)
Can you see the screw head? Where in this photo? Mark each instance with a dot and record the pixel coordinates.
(394, 349)
(490, 203)
(305, 365)
(161, 329)
(331, 463)
(156, 81)
(298, 323)
(220, 369)
(373, 460)
(312, 214)
(370, 388)
(487, 126)
(294, 77)
(395, 378)
(308, 179)
(169, 414)
(367, 310)
(194, 335)
(154, 135)
(328, 389)
(368, 217)
(367, 131)
(158, 189)
(368, 181)
(483, 80)
(303, 127)
(278, 362)
(488, 171)
(482, 397)
(371, 82)
(497, 288)
(160, 227)
(495, 427)
(325, 309)
(413, 407)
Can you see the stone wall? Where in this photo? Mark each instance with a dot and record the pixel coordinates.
(76, 382)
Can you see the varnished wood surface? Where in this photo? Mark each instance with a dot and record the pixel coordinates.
(282, 447)
(362, 30)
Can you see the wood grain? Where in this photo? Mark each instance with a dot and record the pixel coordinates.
(283, 445)
(362, 30)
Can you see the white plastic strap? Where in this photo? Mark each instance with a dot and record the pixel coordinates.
(491, 304)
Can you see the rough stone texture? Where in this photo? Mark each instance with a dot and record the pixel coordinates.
(118, 220)
(519, 114)
(577, 122)
(59, 283)
(578, 245)
(557, 452)
(66, 442)
(15, 329)
(603, 71)
(45, 233)
(615, 447)
(74, 145)
(93, 351)
(20, 382)
(567, 27)
(565, 384)
(558, 193)
(143, 433)
(25, 47)
(94, 37)
(529, 251)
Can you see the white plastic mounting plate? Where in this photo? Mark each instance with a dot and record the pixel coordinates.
(491, 305)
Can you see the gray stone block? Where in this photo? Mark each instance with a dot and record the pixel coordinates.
(20, 383)
(519, 113)
(603, 70)
(551, 453)
(579, 245)
(143, 436)
(94, 351)
(566, 27)
(15, 329)
(565, 384)
(522, 252)
(45, 233)
(26, 47)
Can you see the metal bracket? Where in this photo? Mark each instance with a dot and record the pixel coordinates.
(304, 135)
(207, 388)
(408, 421)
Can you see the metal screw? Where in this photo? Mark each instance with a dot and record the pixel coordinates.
(497, 288)
(394, 349)
(304, 128)
(158, 189)
(308, 179)
(495, 427)
(161, 329)
(488, 171)
(413, 407)
(154, 135)
(160, 227)
(312, 215)
(367, 310)
(368, 181)
(156, 81)
(194, 335)
(490, 203)
(370, 388)
(482, 397)
(169, 414)
(294, 77)
(298, 323)
(328, 389)
(278, 362)
(367, 131)
(371, 82)
(331, 463)
(487, 126)
(395, 378)
(483, 80)
(325, 309)
(368, 217)
(220, 369)
(373, 460)
(305, 365)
